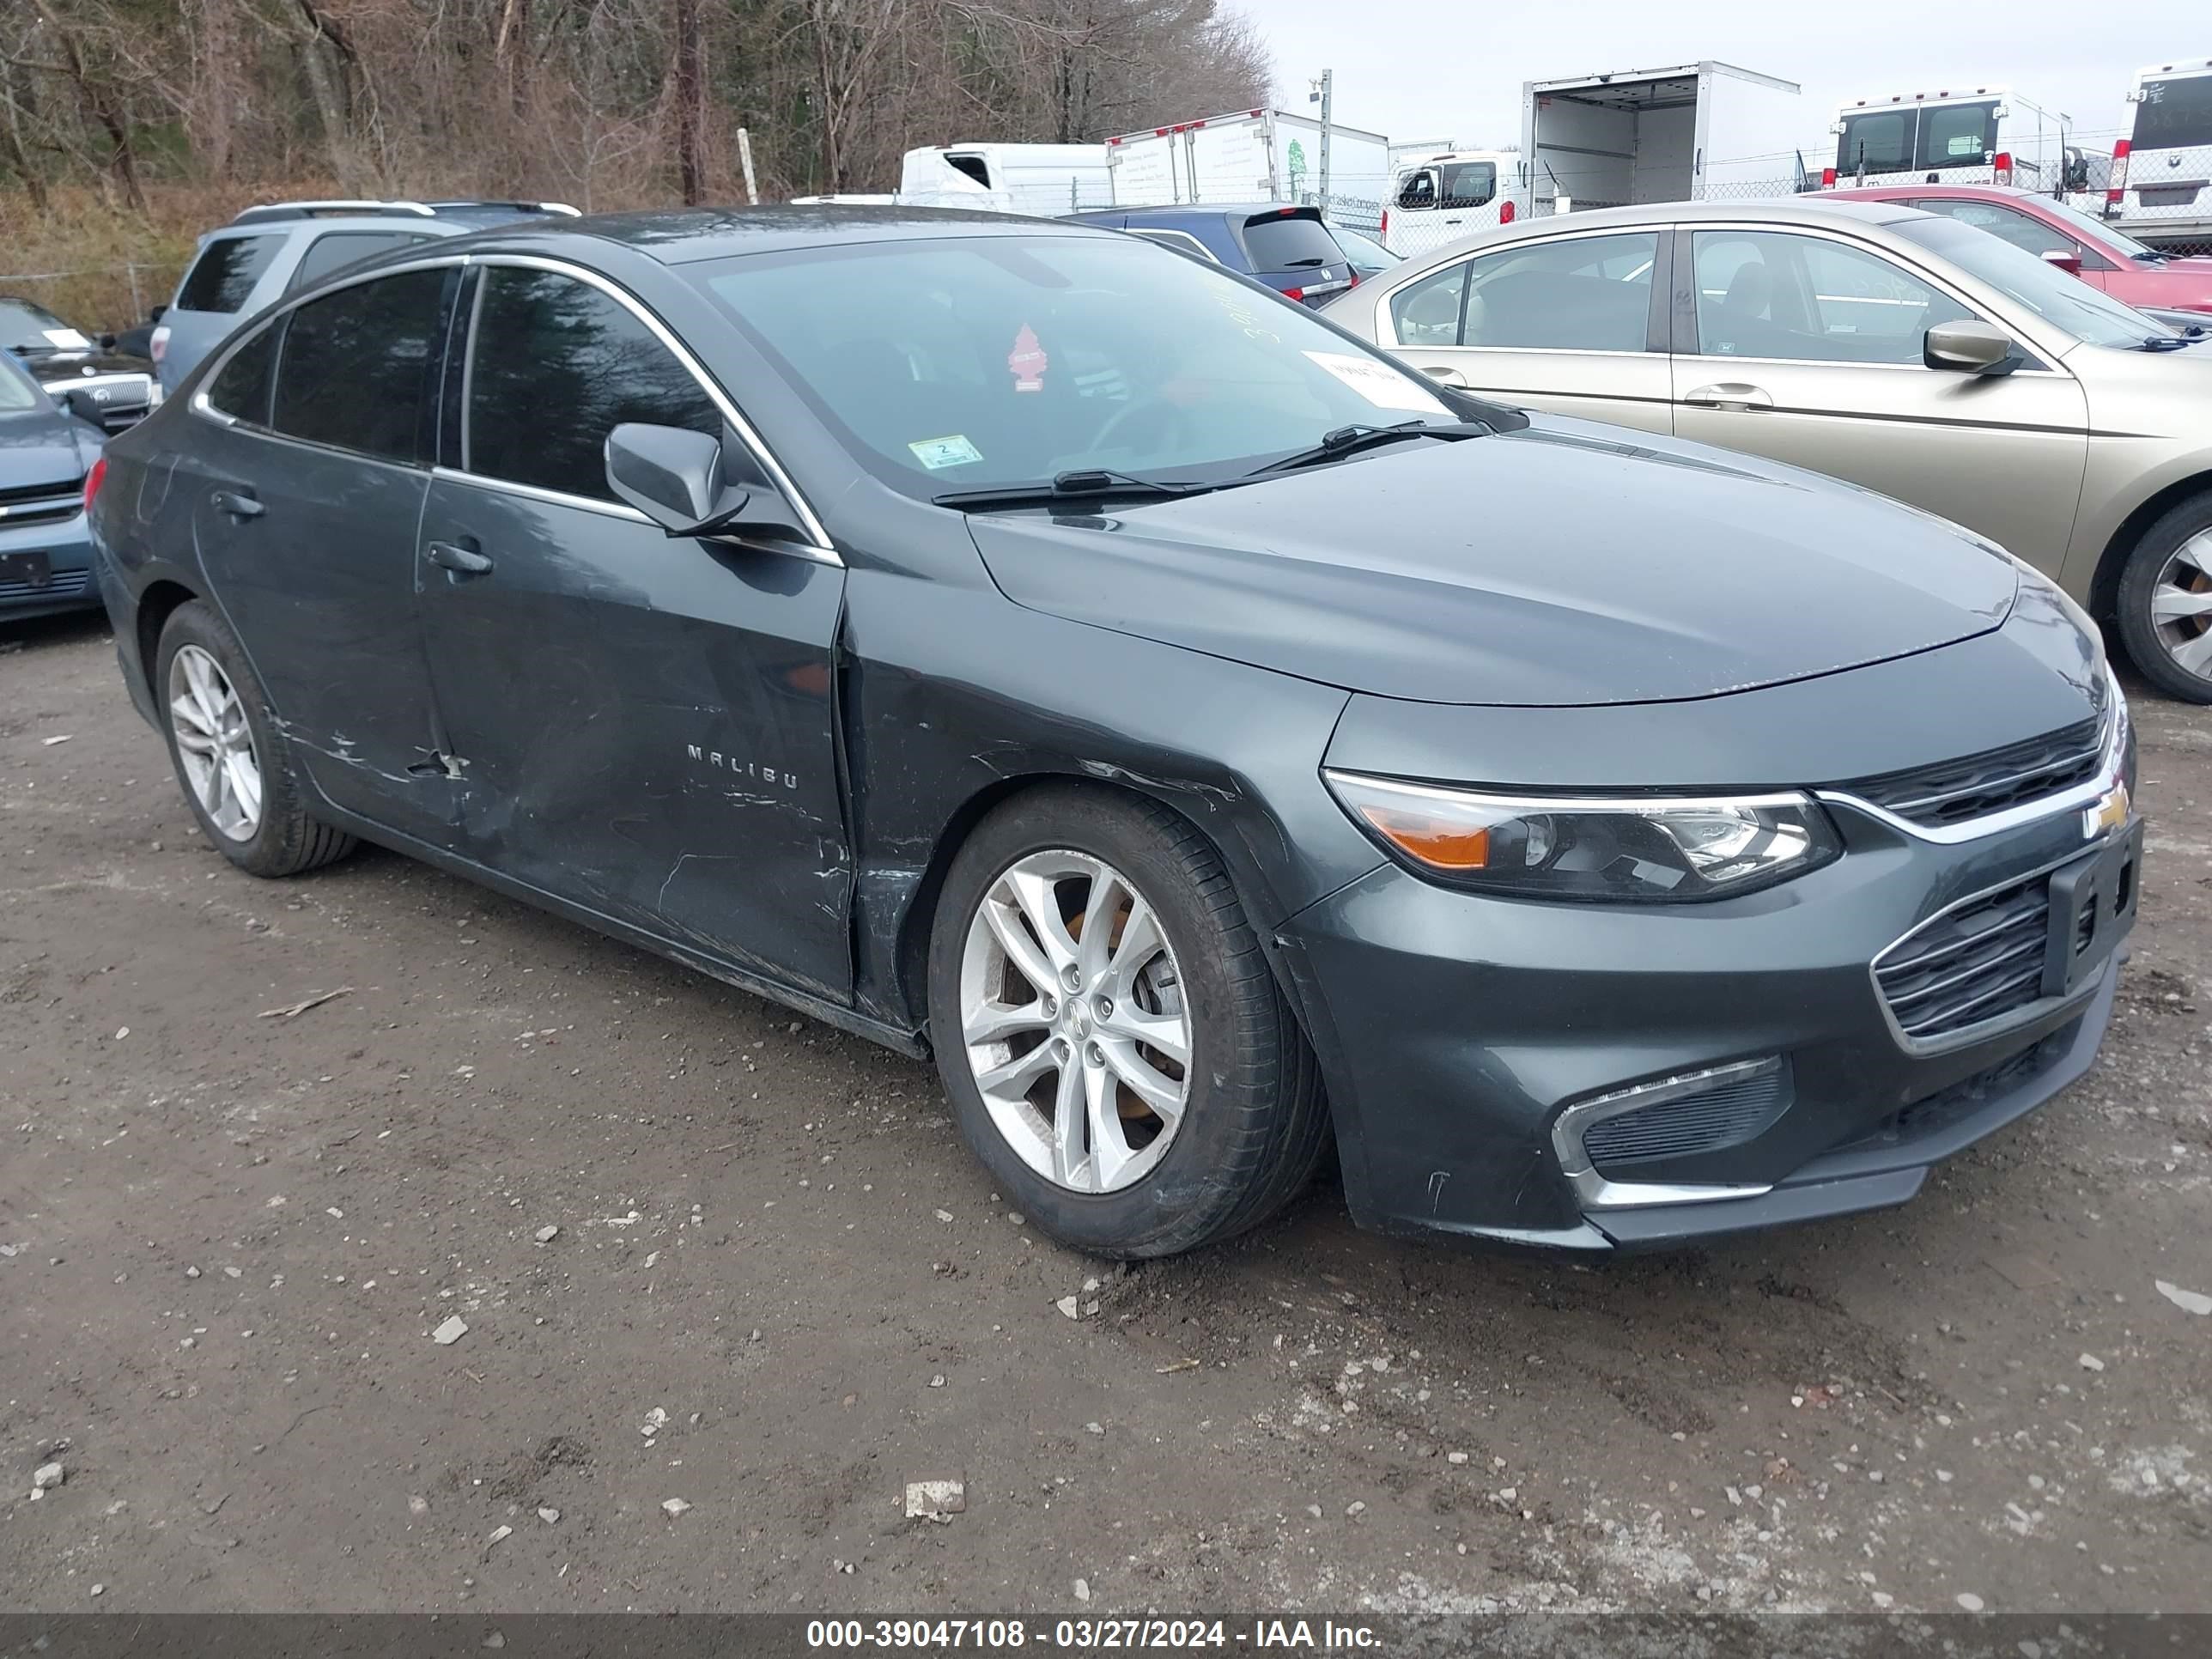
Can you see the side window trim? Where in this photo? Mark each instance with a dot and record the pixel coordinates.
(1687, 344)
(819, 546)
(1162, 234)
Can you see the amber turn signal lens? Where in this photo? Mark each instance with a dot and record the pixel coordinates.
(1433, 841)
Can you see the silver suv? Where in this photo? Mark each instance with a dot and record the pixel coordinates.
(280, 247)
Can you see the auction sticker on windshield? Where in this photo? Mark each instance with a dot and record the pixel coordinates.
(1383, 386)
(938, 453)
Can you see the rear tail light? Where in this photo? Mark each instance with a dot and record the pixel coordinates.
(2116, 185)
(1354, 283)
(1385, 232)
(157, 344)
(2004, 175)
(1827, 178)
(1298, 294)
(93, 480)
(1506, 214)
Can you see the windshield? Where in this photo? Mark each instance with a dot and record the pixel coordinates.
(2090, 226)
(19, 392)
(2174, 114)
(1367, 255)
(2063, 301)
(1468, 184)
(987, 361)
(22, 324)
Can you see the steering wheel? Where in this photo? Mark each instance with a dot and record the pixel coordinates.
(1171, 417)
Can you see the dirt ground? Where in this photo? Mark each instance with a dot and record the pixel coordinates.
(226, 1240)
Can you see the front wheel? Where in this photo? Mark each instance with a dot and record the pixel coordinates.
(2166, 602)
(1116, 1048)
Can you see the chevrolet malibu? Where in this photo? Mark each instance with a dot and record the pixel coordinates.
(1016, 643)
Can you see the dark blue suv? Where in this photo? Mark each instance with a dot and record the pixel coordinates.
(1289, 248)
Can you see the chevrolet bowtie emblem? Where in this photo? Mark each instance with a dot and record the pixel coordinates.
(2109, 813)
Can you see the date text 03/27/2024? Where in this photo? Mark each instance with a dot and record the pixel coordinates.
(1089, 1635)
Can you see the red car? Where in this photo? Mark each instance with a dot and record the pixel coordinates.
(2100, 255)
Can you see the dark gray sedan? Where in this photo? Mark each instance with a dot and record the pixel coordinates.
(1015, 643)
(46, 452)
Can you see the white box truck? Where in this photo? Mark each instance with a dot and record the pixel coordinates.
(1954, 135)
(1692, 132)
(2161, 178)
(1254, 155)
(1043, 180)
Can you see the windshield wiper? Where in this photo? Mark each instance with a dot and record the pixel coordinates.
(1349, 440)
(1087, 484)
(2150, 256)
(2164, 341)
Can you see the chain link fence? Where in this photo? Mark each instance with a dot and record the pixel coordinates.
(96, 299)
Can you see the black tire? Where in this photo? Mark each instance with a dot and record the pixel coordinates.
(287, 840)
(1255, 1124)
(2152, 655)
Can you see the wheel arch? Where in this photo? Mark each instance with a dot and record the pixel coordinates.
(2105, 585)
(160, 600)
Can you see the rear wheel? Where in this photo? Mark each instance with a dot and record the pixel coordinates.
(233, 763)
(2166, 602)
(1114, 1046)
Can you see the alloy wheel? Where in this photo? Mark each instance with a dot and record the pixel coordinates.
(1074, 1022)
(2181, 605)
(214, 742)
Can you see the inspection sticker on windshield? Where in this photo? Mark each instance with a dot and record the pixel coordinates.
(938, 453)
(1381, 385)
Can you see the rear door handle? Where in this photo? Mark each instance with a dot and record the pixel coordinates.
(239, 503)
(1728, 394)
(461, 560)
(1443, 376)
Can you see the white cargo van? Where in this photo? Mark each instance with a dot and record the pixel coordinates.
(1253, 155)
(1042, 180)
(1955, 136)
(1690, 133)
(1440, 198)
(2162, 169)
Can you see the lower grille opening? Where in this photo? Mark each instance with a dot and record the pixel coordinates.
(1932, 1113)
(1726, 1115)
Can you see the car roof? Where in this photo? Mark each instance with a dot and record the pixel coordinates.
(1776, 209)
(683, 235)
(1962, 192)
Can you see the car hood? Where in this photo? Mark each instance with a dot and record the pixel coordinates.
(42, 447)
(58, 368)
(1567, 564)
(2183, 284)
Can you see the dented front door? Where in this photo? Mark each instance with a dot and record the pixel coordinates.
(643, 726)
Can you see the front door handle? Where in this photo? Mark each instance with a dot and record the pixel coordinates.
(239, 503)
(1728, 394)
(1443, 376)
(461, 560)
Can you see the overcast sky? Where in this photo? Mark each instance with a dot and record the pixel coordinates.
(1453, 69)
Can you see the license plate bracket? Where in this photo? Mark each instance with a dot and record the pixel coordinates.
(33, 569)
(2093, 906)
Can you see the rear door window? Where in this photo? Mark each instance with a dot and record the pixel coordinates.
(1580, 294)
(356, 366)
(1957, 134)
(2175, 114)
(1879, 140)
(226, 272)
(554, 366)
(1468, 184)
(1427, 313)
(1299, 241)
(341, 248)
(241, 390)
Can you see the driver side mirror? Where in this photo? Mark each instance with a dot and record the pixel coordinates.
(675, 478)
(2064, 258)
(1970, 347)
(81, 402)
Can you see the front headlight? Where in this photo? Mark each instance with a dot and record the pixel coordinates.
(1627, 848)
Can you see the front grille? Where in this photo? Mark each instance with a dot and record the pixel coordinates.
(66, 584)
(1954, 792)
(1973, 964)
(45, 504)
(1724, 1116)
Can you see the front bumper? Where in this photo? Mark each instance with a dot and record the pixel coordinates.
(1454, 1028)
